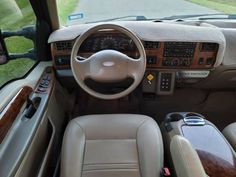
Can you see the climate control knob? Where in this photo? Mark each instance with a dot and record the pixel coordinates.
(166, 62)
(175, 62)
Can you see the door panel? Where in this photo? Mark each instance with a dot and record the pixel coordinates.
(9, 91)
(43, 153)
(17, 129)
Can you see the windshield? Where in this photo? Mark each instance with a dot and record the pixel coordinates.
(84, 11)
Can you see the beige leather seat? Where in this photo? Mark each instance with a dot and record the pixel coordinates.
(230, 134)
(117, 145)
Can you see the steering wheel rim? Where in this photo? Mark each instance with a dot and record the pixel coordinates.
(134, 68)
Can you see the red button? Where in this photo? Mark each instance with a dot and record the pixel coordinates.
(166, 171)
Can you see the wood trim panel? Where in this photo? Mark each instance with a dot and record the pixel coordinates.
(216, 166)
(56, 53)
(216, 155)
(194, 60)
(8, 117)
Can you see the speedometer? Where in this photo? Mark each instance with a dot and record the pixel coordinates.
(108, 43)
(95, 46)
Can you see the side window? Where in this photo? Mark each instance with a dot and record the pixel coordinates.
(17, 28)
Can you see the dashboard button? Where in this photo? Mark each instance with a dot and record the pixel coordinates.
(41, 89)
(151, 60)
(201, 61)
(210, 61)
(175, 62)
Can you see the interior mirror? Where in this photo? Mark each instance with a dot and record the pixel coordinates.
(3, 50)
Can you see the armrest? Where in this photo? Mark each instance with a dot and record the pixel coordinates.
(185, 159)
(230, 134)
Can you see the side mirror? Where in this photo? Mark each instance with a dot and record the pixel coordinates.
(3, 50)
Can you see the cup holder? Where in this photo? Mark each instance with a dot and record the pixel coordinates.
(176, 117)
(193, 114)
(189, 118)
(194, 121)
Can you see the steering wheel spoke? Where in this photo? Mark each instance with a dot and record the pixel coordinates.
(82, 67)
(80, 58)
(134, 67)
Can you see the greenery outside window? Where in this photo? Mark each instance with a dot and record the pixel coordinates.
(16, 18)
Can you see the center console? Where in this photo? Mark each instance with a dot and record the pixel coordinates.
(217, 156)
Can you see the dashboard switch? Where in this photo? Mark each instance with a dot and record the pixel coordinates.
(210, 61)
(151, 60)
(166, 83)
(201, 61)
(175, 62)
(150, 77)
(62, 60)
(41, 89)
(149, 82)
(166, 62)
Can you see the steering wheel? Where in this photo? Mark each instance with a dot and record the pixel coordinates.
(108, 66)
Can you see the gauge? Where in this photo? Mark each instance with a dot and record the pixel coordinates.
(109, 43)
(86, 45)
(96, 46)
(124, 44)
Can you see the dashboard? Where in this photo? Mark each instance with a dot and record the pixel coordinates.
(168, 46)
(160, 54)
(176, 53)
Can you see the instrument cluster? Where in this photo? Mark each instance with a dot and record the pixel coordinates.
(113, 41)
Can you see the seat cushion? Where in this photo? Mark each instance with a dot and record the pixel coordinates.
(115, 145)
(230, 134)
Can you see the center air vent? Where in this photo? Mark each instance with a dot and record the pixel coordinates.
(208, 47)
(151, 45)
(64, 46)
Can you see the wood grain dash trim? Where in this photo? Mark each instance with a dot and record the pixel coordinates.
(12, 110)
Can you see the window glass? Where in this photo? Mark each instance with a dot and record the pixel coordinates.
(16, 18)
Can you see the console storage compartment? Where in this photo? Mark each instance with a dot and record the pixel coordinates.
(217, 156)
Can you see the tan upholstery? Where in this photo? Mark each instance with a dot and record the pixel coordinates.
(230, 134)
(185, 158)
(117, 145)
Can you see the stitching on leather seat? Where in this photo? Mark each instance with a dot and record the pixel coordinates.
(77, 123)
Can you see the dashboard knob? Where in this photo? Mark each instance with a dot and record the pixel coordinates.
(175, 62)
(185, 62)
(166, 62)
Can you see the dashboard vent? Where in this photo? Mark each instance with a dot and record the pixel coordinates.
(208, 47)
(64, 46)
(151, 44)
